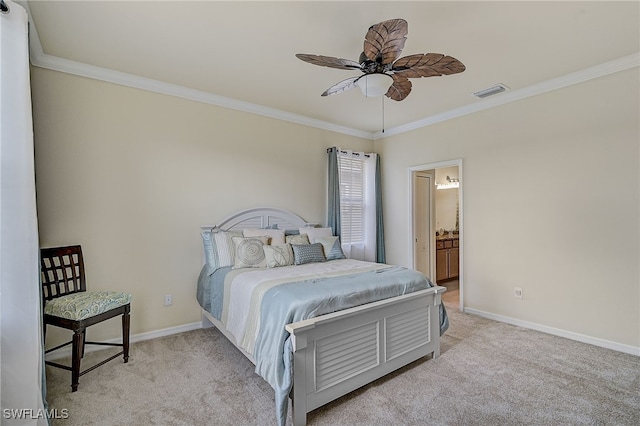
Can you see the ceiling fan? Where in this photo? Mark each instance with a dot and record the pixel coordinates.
(380, 65)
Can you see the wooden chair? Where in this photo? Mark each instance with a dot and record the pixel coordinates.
(68, 304)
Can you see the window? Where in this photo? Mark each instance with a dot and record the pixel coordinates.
(360, 211)
(352, 198)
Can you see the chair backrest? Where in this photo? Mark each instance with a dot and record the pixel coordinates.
(62, 271)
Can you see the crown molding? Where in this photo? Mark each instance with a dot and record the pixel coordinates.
(55, 63)
(621, 64)
(43, 60)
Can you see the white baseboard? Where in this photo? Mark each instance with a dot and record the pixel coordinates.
(632, 350)
(66, 351)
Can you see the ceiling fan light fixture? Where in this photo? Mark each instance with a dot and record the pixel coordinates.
(374, 85)
(380, 58)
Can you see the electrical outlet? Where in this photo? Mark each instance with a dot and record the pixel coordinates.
(517, 293)
(168, 300)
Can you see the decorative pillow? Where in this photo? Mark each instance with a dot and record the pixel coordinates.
(307, 253)
(209, 257)
(249, 252)
(278, 255)
(314, 233)
(218, 249)
(277, 236)
(225, 249)
(297, 239)
(332, 247)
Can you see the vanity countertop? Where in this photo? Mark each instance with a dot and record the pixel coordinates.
(447, 237)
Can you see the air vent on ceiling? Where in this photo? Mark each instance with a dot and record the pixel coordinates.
(490, 91)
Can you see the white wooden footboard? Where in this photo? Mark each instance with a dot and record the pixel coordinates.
(337, 353)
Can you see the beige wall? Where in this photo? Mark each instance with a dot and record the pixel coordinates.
(550, 187)
(551, 204)
(131, 175)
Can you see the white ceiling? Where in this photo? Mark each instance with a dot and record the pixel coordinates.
(245, 51)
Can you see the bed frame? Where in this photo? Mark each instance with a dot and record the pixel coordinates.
(336, 353)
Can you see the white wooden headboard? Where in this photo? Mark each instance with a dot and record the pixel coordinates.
(260, 217)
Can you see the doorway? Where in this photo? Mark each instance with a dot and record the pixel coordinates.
(436, 226)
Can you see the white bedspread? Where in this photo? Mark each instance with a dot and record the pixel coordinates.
(244, 290)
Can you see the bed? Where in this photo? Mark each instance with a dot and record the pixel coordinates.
(315, 330)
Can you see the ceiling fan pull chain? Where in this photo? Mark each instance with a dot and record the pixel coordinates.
(382, 114)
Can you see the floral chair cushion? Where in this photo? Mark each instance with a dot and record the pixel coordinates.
(86, 304)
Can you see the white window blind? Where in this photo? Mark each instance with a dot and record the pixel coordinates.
(352, 201)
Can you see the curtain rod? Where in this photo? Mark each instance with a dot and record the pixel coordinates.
(3, 7)
(345, 152)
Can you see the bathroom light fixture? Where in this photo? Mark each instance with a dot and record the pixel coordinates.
(451, 184)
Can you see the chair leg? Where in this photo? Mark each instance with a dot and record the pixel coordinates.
(125, 335)
(84, 341)
(76, 356)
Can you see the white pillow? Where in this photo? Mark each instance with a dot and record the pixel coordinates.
(224, 244)
(249, 252)
(297, 239)
(314, 233)
(278, 255)
(276, 235)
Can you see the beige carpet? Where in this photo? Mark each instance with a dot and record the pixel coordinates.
(489, 373)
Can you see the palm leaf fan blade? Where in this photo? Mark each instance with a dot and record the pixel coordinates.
(400, 88)
(329, 61)
(384, 42)
(427, 65)
(343, 86)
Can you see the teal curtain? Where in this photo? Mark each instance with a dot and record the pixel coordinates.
(333, 205)
(380, 252)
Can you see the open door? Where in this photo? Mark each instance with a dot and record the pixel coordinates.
(423, 222)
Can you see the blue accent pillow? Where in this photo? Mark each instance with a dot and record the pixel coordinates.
(332, 247)
(218, 249)
(307, 253)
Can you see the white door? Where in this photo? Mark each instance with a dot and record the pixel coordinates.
(422, 221)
